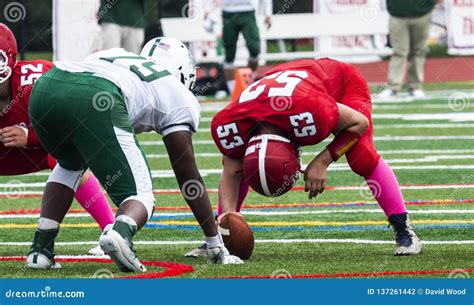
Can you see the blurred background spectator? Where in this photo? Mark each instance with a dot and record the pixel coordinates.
(123, 24)
(409, 27)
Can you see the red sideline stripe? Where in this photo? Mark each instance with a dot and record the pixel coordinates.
(347, 275)
(171, 269)
(257, 206)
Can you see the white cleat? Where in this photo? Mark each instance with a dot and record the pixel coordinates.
(407, 241)
(222, 255)
(418, 94)
(40, 261)
(414, 249)
(96, 251)
(200, 251)
(120, 251)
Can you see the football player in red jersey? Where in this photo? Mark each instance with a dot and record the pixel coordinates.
(20, 150)
(296, 104)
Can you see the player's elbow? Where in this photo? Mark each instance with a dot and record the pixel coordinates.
(364, 124)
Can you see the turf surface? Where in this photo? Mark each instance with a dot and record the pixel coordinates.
(429, 144)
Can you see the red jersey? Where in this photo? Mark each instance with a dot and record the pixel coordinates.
(298, 97)
(16, 161)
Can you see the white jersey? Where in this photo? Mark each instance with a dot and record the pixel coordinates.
(236, 6)
(156, 100)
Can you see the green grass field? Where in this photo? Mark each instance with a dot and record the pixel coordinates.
(342, 232)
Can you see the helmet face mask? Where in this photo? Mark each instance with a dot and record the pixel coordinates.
(8, 52)
(5, 69)
(271, 165)
(173, 55)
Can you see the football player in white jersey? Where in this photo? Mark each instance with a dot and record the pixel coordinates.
(86, 115)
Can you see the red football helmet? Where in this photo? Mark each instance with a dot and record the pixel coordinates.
(8, 52)
(271, 164)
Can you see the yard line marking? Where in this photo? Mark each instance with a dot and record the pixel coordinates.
(306, 223)
(333, 167)
(437, 152)
(401, 126)
(311, 223)
(259, 241)
(157, 216)
(266, 206)
(376, 139)
(34, 194)
(314, 153)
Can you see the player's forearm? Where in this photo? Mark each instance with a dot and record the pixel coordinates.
(229, 185)
(191, 184)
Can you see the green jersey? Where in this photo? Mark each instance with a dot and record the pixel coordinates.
(410, 8)
(123, 12)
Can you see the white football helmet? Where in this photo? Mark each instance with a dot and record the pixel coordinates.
(174, 56)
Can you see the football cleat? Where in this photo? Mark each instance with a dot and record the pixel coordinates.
(120, 251)
(271, 164)
(96, 251)
(222, 255)
(41, 254)
(200, 251)
(407, 241)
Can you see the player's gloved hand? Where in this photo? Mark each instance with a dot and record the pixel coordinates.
(14, 136)
(219, 218)
(315, 175)
(220, 254)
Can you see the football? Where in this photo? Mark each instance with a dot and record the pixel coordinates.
(237, 235)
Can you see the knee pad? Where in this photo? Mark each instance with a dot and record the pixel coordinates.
(148, 201)
(69, 178)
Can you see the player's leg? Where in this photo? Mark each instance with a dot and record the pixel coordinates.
(90, 196)
(366, 162)
(230, 35)
(111, 35)
(133, 39)
(252, 37)
(399, 39)
(108, 145)
(419, 32)
(47, 113)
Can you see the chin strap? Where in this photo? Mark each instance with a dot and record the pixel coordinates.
(342, 143)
